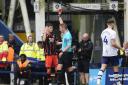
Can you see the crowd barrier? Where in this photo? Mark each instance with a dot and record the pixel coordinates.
(107, 79)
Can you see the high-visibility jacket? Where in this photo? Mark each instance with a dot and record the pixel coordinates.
(29, 50)
(10, 57)
(3, 51)
(23, 65)
(40, 54)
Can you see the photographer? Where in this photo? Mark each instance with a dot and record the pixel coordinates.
(85, 51)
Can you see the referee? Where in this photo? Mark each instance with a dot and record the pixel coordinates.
(65, 56)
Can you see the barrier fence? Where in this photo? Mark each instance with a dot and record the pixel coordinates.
(108, 77)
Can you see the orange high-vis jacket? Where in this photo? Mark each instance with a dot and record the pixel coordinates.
(22, 65)
(10, 57)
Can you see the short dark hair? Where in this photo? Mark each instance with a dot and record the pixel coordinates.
(49, 24)
(63, 25)
(23, 56)
(109, 21)
(40, 43)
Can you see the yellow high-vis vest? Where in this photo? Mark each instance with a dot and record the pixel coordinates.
(29, 50)
(3, 49)
(40, 54)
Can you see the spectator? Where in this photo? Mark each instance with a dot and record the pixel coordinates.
(124, 54)
(10, 57)
(29, 49)
(125, 46)
(41, 59)
(3, 50)
(85, 51)
(12, 41)
(40, 52)
(23, 69)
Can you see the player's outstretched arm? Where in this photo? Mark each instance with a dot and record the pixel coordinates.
(61, 20)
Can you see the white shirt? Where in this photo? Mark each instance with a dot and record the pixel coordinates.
(108, 50)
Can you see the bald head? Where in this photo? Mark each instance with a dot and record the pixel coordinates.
(85, 37)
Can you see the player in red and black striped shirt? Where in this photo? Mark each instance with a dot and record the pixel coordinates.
(50, 49)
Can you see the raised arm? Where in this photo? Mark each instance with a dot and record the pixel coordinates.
(61, 20)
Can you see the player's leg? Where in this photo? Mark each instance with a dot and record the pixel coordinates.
(82, 78)
(86, 71)
(69, 68)
(60, 71)
(116, 74)
(81, 72)
(100, 73)
(55, 62)
(60, 74)
(104, 62)
(87, 78)
(115, 63)
(48, 66)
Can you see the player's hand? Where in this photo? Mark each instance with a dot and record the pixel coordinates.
(58, 43)
(59, 12)
(60, 54)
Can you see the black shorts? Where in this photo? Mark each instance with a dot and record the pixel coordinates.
(83, 66)
(66, 59)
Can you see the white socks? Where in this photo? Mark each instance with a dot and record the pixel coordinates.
(100, 74)
(116, 76)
